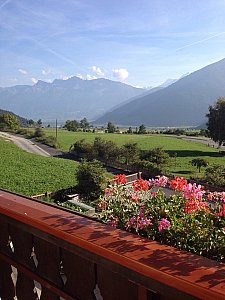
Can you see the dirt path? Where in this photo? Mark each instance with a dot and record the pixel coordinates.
(206, 141)
(25, 144)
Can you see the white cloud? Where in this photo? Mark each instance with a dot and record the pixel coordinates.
(86, 77)
(79, 76)
(97, 70)
(90, 77)
(120, 74)
(22, 71)
(34, 80)
(65, 77)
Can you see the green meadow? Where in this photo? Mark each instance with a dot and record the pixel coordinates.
(185, 150)
(31, 174)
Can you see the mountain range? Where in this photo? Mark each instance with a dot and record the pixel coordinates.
(183, 103)
(73, 98)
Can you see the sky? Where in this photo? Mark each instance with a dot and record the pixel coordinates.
(139, 42)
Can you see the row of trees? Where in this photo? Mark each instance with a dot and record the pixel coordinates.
(154, 160)
(74, 125)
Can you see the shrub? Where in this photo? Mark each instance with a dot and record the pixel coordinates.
(91, 179)
(148, 168)
(50, 141)
(39, 133)
(215, 175)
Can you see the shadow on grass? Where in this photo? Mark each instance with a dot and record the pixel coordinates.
(192, 153)
(183, 172)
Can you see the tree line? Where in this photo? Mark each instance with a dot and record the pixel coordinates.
(153, 161)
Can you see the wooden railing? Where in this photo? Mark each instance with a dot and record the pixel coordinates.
(47, 253)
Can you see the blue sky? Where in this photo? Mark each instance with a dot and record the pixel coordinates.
(139, 42)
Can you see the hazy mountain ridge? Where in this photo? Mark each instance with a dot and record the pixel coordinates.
(183, 103)
(73, 98)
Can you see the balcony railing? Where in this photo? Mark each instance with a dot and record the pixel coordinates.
(48, 253)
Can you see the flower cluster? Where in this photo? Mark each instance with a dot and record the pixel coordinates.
(193, 191)
(216, 196)
(189, 219)
(193, 205)
(139, 221)
(164, 224)
(177, 183)
(120, 179)
(160, 181)
(140, 185)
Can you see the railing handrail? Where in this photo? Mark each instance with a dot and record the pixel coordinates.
(128, 254)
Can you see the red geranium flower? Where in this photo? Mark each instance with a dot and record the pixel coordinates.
(120, 178)
(178, 183)
(140, 185)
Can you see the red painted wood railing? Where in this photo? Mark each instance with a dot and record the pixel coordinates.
(55, 253)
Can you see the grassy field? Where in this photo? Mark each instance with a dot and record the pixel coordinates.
(186, 150)
(31, 174)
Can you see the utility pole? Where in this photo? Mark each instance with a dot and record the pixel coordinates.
(56, 130)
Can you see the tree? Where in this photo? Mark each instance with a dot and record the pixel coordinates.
(130, 131)
(71, 125)
(111, 127)
(91, 179)
(8, 122)
(31, 123)
(142, 129)
(216, 121)
(156, 155)
(130, 152)
(199, 162)
(84, 124)
(105, 150)
(82, 148)
(39, 123)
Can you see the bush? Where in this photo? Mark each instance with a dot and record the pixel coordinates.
(39, 133)
(215, 175)
(148, 168)
(91, 179)
(50, 141)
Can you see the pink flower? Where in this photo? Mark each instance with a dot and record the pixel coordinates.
(161, 181)
(139, 221)
(107, 192)
(164, 224)
(192, 191)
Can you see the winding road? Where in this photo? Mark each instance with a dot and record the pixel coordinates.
(25, 144)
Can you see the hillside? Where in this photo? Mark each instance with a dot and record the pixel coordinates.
(184, 103)
(22, 121)
(73, 98)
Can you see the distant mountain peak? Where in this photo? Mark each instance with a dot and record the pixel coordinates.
(185, 102)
